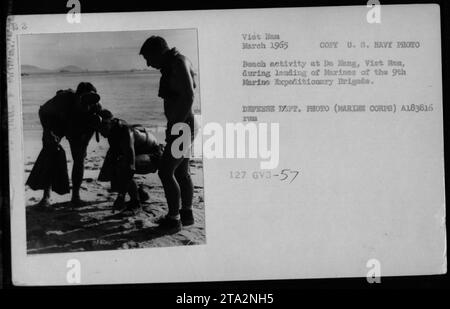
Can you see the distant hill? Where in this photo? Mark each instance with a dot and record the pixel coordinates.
(70, 68)
(32, 69)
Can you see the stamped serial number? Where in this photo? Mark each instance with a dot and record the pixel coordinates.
(285, 175)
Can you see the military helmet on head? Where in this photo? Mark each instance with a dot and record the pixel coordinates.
(87, 93)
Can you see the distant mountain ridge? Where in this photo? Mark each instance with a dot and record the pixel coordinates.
(70, 68)
(27, 69)
(32, 69)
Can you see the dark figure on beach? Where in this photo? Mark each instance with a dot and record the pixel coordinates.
(69, 114)
(133, 150)
(176, 88)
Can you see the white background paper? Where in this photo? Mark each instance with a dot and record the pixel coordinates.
(371, 186)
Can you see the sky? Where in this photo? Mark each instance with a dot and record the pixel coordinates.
(100, 50)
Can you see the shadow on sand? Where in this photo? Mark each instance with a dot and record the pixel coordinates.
(92, 226)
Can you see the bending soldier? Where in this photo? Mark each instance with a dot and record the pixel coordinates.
(133, 150)
(69, 114)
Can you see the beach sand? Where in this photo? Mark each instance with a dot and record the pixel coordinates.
(93, 226)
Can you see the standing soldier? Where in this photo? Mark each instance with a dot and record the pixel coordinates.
(176, 88)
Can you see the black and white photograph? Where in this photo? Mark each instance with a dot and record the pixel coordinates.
(203, 146)
(98, 109)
